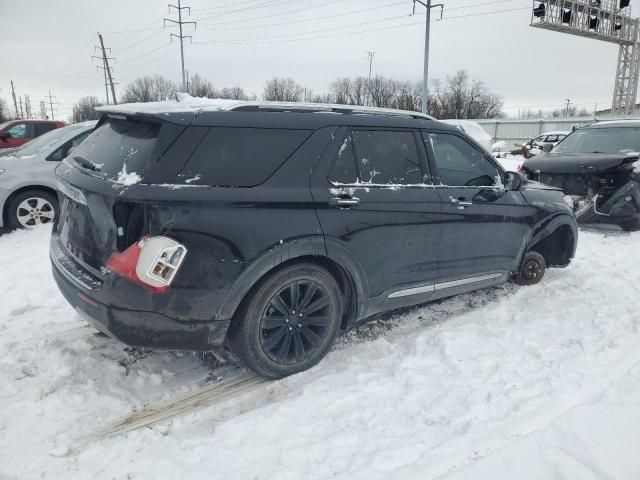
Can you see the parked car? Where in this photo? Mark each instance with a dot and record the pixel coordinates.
(536, 145)
(27, 182)
(275, 226)
(16, 133)
(597, 165)
(475, 131)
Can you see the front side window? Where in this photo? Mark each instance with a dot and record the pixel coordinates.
(459, 163)
(22, 130)
(387, 157)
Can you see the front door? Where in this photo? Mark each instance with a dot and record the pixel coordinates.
(374, 197)
(484, 226)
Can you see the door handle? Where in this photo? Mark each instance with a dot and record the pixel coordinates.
(345, 202)
(460, 204)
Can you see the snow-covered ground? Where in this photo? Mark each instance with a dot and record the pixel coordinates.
(529, 383)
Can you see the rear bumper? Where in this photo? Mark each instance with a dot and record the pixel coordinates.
(136, 328)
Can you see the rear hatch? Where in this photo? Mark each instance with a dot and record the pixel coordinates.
(96, 218)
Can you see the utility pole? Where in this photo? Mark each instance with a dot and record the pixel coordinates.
(21, 112)
(27, 105)
(43, 110)
(15, 103)
(107, 69)
(370, 54)
(181, 37)
(566, 111)
(51, 102)
(425, 75)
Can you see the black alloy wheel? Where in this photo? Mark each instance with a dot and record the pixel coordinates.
(296, 321)
(289, 322)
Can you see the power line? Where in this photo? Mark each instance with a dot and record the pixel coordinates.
(274, 14)
(260, 40)
(268, 3)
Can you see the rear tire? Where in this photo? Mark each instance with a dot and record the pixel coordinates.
(31, 208)
(289, 323)
(532, 269)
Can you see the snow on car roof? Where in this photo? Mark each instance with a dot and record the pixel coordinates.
(628, 121)
(183, 103)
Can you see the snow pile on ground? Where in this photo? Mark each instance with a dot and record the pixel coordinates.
(527, 383)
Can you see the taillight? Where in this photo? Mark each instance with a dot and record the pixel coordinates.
(151, 262)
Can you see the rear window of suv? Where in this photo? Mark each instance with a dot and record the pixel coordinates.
(240, 157)
(119, 147)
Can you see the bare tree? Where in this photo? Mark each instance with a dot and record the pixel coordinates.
(233, 93)
(282, 90)
(201, 87)
(460, 97)
(149, 89)
(5, 111)
(85, 109)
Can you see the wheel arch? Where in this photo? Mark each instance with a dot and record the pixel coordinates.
(556, 240)
(18, 191)
(348, 274)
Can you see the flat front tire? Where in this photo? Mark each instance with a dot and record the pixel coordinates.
(289, 323)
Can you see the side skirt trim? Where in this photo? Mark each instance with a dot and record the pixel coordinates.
(444, 285)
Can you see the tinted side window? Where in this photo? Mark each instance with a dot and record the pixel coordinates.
(459, 163)
(240, 157)
(343, 169)
(44, 128)
(385, 157)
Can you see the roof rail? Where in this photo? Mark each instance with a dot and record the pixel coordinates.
(254, 106)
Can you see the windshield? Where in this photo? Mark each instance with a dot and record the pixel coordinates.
(45, 143)
(601, 140)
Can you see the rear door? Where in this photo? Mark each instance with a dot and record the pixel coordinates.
(484, 226)
(374, 197)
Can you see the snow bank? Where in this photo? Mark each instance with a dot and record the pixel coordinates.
(538, 382)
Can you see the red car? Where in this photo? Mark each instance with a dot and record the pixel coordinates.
(16, 133)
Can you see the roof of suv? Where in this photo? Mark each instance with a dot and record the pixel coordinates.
(627, 122)
(208, 112)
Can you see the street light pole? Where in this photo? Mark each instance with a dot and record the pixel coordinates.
(425, 75)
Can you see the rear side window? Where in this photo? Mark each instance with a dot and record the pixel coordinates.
(120, 147)
(387, 157)
(42, 128)
(240, 157)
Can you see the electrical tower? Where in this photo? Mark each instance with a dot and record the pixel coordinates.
(108, 70)
(604, 20)
(370, 55)
(425, 76)
(180, 37)
(51, 102)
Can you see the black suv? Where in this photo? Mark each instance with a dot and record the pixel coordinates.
(273, 227)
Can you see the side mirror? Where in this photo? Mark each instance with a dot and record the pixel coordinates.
(515, 180)
(547, 147)
(4, 136)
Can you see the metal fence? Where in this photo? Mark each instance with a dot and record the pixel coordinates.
(513, 131)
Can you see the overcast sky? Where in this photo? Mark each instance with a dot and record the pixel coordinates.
(48, 45)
